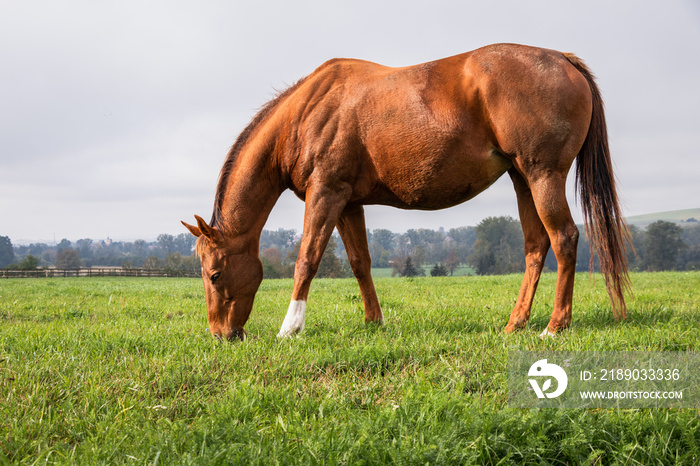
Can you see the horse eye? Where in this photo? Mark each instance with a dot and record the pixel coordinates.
(215, 277)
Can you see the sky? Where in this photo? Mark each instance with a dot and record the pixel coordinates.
(115, 117)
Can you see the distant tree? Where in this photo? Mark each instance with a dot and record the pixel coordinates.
(7, 253)
(28, 263)
(273, 254)
(462, 241)
(396, 263)
(270, 270)
(428, 236)
(689, 258)
(409, 270)
(294, 253)
(384, 238)
(152, 263)
(438, 270)
(451, 261)
(139, 248)
(380, 247)
(429, 247)
(375, 253)
(419, 255)
(499, 247)
(413, 237)
(281, 239)
(636, 253)
(403, 245)
(184, 243)
(177, 264)
(273, 264)
(691, 235)
(67, 259)
(36, 249)
(64, 244)
(663, 244)
(48, 256)
(330, 266)
(166, 244)
(84, 248)
(383, 259)
(173, 262)
(462, 235)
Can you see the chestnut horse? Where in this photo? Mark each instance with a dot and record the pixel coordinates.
(421, 137)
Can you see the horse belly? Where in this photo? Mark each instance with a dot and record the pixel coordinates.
(432, 181)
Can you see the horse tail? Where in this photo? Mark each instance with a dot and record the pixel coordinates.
(605, 226)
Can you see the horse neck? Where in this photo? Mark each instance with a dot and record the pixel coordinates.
(251, 192)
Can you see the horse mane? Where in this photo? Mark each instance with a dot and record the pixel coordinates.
(241, 140)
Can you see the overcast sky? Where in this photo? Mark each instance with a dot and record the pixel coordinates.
(115, 117)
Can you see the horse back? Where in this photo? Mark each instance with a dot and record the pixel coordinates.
(427, 136)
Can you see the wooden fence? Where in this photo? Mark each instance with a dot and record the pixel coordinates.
(95, 272)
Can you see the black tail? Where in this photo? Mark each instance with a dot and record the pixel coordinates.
(606, 228)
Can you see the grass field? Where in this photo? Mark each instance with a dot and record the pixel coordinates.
(112, 371)
(386, 272)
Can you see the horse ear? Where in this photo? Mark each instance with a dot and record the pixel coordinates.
(194, 230)
(210, 232)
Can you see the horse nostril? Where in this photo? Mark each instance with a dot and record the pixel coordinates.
(237, 334)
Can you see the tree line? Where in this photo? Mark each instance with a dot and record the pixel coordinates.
(168, 252)
(494, 246)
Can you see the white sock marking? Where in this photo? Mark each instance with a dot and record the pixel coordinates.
(294, 320)
(546, 333)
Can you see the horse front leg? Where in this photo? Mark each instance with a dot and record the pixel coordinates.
(351, 226)
(323, 208)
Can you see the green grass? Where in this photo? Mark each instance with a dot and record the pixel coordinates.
(385, 272)
(111, 371)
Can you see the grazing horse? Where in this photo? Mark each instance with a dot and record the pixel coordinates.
(426, 137)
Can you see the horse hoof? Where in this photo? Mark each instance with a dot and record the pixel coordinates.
(289, 332)
(378, 323)
(510, 328)
(546, 333)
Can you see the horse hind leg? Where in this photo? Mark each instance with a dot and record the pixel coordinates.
(549, 196)
(536, 247)
(351, 226)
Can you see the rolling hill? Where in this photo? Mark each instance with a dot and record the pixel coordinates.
(685, 217)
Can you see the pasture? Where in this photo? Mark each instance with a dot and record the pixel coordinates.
(123, 371)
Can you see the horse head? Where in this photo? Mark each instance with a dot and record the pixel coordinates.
(232, 273)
